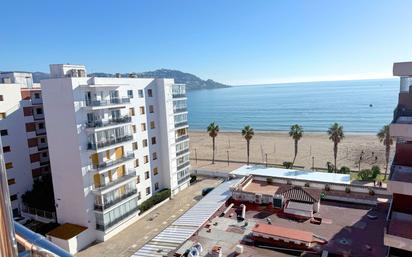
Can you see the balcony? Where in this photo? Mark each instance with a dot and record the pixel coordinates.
(402, 127)
(117, 220)
(177, 95)
(106, 187)
(110, 122)
(182, 138)
(400, 180)
(181, 124)
(42, 146)
(398, 230)
(183, 179)
(112, 163)
(110, 142)
(36, 101)
(40, 132)
(180, 110)
(183, 165)
(181, 152)
(107, 205)
(38, 116)
(107, 103)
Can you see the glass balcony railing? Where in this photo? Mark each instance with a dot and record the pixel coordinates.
(181, 124)
(181, 152)
(102, 144)
(107, 205)
(179, 110)
(103, 227)
(110, 122)
(113, 101)
(182, 138)
(114, 184)
(183, 165)
(111, 163)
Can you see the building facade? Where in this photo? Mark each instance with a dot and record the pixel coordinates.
(23, 132)
(398, 235)
(114, 142)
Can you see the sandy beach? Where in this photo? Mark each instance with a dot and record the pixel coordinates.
(279, 147)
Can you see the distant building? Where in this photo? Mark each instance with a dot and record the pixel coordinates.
(398, 232)
(114, 142)
(23, 132)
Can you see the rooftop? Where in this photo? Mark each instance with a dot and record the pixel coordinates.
(283, 232)
(293, 174)
(66, 231)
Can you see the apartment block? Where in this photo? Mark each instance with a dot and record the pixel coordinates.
(114, 142)
(398, 230)
(23, 132)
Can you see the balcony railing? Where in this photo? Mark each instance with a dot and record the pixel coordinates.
(107, 205)
(184, 165)
(40, 132)
(113, 101)
(104, 227)
(38, 116)
(182, 138)
(111, 163)
(401, 111)
(178, 110)
(116, 121)
(183, 179)
(182, 152)
(181, 124)
(95, 146)
(130, 174)
(179, 95)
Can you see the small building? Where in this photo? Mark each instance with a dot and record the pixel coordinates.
(284, 237)
(70, 237)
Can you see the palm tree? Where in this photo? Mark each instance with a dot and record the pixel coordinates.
(296, 132)
(247, 133)
(386, 139)
(213, 130)
(335, 133)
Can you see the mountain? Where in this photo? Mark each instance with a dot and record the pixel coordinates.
(192, 82)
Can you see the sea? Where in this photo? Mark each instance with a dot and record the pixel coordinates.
(361, 106)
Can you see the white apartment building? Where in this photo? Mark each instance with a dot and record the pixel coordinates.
(23, 133)
(113, 142)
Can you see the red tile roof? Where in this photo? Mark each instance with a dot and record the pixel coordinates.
(289, 233)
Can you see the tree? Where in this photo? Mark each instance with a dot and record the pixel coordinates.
(213, 130)
(296, 132)
(41, 196)
(287, 165)
(335, 133)
(386, 139)
(247, 133)
(344, 170)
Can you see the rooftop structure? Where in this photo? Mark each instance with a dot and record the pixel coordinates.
(292, 174)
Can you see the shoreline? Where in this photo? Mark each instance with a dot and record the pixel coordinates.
(281, 132)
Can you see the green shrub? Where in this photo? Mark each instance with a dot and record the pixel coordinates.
(344, 170)
(155, 199)
(287, 165)
(365, 174)
(193, 178)
(375, 172)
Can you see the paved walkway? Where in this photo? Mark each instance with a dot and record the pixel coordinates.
(127, 242)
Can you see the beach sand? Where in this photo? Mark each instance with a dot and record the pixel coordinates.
(279, 147)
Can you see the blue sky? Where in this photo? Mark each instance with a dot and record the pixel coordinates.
(235, 42)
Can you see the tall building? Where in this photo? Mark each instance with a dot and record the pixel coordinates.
(114, 142)
(23, 132)
(398, 231)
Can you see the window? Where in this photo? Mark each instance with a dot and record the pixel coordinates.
(151, 109)
(134, 145)
(136, 163)
(39, 111)
(41, 125)
(155, 171)
(147, 190)
(2, 115)
(9, 165)
(11, 181)
(153, 140)
(4, 132)
(149, 93)
(146, 159)
(143, 126)
(154, 155)
(139, 195)
(42, 140)
(37, 95)
(141, 110)
(134, 128)
(131, 111)
(146, 175)
(144, 142)
(130, 93)
(152, 124)
(1, 98)
(138, 179)
(6, 149)
(156, 186)
(13, 197)
(140, 92)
